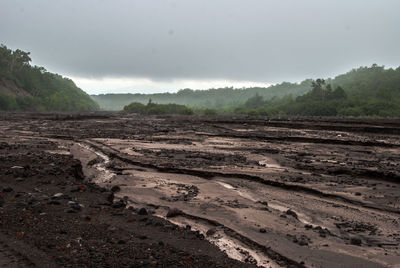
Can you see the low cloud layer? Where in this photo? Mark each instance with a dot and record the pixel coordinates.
(228, 40)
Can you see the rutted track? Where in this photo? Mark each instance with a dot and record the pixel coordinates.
(103, 148)
(104, 173)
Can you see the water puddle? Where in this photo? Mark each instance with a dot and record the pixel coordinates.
(105, 174)
(241, 193)
(232, 247)
(62, 152)
(227, 186)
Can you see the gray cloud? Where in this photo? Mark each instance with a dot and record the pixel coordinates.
(248, 40)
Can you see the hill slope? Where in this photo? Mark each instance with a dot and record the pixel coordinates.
(26, 87)
(366, 91)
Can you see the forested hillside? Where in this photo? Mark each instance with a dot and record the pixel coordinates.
(366, 91)
(32, 88)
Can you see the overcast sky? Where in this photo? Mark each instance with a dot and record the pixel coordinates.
(156, 46)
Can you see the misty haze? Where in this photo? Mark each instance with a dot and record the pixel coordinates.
(199, 133)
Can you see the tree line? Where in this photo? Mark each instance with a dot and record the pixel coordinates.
(367, 91)
(45, 91)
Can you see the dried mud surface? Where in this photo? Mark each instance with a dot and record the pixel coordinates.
(311, 192)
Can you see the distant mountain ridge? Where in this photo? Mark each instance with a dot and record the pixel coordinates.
(210, 98)
(363, 82)
(32, 88)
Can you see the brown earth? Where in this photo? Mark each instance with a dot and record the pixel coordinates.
(273, 192)
(9, 87)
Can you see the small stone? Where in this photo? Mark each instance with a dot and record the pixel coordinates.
(142, 211)
(110, 197)
(173, 213)
(292, 213)
(58, 195)
(263, 230)
(81, 188)
(303, 242)
(111, 229)
(74, 205)
(31, 200)
(308, 226)
(17, 167)
(355, 241)
(115, 189)
(119, 204)
(8, 190)
(211, 232)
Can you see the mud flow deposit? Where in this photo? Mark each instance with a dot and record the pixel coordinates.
(265, 192)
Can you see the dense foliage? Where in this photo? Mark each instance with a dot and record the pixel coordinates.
(45, 91)
(157, 109)
(367, 91)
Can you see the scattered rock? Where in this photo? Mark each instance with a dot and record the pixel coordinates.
(110, 197)
(95, 161)
(87, 217)
(303, 242)
(292, 213)
(78, 172)
(58, 195)
(81, 188)
(211, 231)
(308, 226)
(111, 229)
(8, 190)
(355, 241)
(115, 189)
(265, 203)
(142, 211)
(17, 167)
(74, 205)
(174, 212)
(119, 204)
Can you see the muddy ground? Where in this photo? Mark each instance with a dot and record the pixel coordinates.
(109, 189)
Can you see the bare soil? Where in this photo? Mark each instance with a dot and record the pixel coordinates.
(110, 189)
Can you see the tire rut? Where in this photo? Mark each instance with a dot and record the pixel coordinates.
(211, 174)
